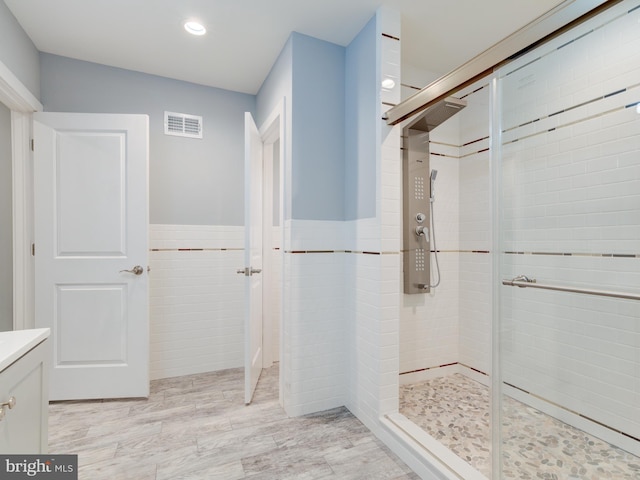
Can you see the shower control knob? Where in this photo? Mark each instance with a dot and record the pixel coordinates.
(422, 232)
(420, 217)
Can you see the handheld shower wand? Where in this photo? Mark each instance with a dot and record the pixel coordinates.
(434, 174)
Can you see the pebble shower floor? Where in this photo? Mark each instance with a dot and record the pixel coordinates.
(455, 411)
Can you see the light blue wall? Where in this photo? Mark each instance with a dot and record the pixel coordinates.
(6, 236)
(310, 74)
(277, 86)
(318, 129)
(192, 181)
(275, 91)
(361, 124)
(200, 181)
(18, 52)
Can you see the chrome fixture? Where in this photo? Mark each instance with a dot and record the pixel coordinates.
(523, 281)
(434, 174)
(417, 201)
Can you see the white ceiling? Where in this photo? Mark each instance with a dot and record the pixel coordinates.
(245, 36)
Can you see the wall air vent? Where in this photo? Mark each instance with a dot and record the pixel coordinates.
(182, 125)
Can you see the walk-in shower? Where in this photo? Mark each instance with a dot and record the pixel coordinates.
(538, 177)
(417, 201)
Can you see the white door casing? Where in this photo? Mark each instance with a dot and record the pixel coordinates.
(17, 97)
(252, 256)
(271, 134)
(91, 229)
(270, 248)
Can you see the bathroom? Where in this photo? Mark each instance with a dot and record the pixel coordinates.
(349, 310)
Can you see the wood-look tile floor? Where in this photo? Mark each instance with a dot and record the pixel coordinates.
(197, 427)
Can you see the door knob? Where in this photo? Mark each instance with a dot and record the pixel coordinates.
(248, 271)
(10, 404)
(137, 270)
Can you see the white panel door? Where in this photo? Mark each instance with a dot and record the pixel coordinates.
(91, 243)
(252, 256)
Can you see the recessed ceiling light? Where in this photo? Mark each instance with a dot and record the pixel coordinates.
(388, 83)
(195, 28)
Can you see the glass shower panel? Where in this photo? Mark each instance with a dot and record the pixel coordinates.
(569, 184)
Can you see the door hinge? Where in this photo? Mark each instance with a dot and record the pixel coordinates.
(33, 249)
(33, 145)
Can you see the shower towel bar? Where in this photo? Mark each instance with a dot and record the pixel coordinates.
(524, 282)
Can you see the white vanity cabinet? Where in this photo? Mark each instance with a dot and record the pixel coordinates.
(24, 385)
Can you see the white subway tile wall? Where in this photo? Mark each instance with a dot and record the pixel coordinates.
(195, 299)
(474, 301)
(373, 268)
(452, 324)
(474, 311)
(317, 332)
(572, 216)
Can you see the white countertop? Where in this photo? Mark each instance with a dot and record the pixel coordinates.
(15, 344)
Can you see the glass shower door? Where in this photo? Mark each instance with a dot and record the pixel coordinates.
(568, 254)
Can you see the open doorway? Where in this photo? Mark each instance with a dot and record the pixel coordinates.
(272, 243)
(272, 253)
(263, 251)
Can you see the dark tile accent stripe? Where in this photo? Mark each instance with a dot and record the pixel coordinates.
(474, 91)
(575, 39)
(573, 107)
(429, 368)
(195, 249)
(475, 141)
(445, 365)
(410, 86)
(357, 252)
(566, 254)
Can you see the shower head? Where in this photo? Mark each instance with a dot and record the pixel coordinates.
(437, 113)
(434, 174)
